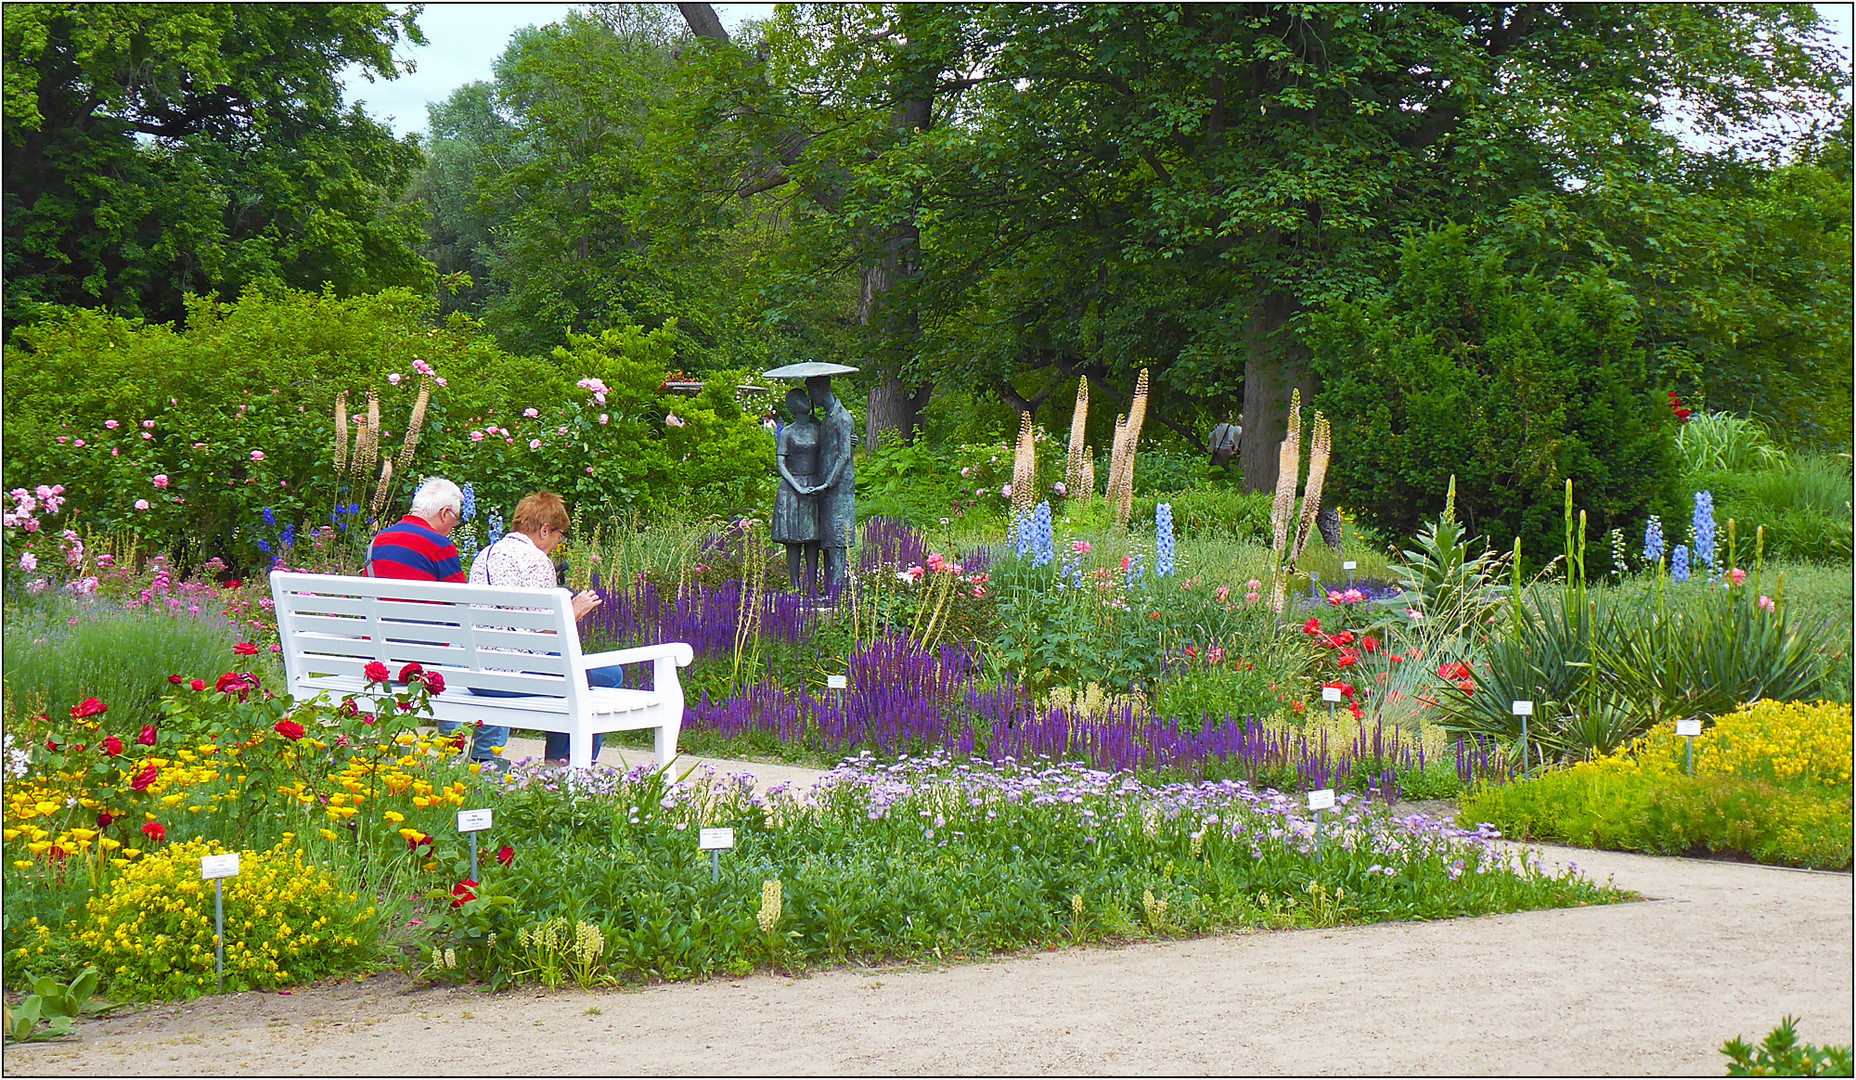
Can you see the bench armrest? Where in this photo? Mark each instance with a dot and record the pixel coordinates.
(679, 651)
(666, 658)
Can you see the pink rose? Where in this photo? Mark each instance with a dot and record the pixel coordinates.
(394, 379)
(604, 418)
(531, 413)
(148, 424)
(534, 444)
(257, 455)
(476, 436)
(141, 504)
(112, 424)
(1737, 576)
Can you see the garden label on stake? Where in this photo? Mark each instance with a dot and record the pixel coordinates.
(1349, 566)
(1317, 802)
(1331, 695)
(1688, 729)
(713, 841)
(473, 822)
(218, 868)
(838, 683)
(1523, 709)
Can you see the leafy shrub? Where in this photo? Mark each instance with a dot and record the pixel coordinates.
(1617, 804)
(287, 922)
(1723, 442)
(1511, 386)
(1224, 511)
(1231, 689)
(1781, 1054)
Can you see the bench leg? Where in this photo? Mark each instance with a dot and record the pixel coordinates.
(580, 749)
(667, 742)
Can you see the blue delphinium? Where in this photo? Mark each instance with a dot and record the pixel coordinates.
(496, 526)
(264, 546)
(1678, 563)
(1705, 531)
(270, 519)
(1019, 536)
(1653, 541)
(288, 539)
(1043, 548)
(470, 502)
(1163, 540)
(1134, 571)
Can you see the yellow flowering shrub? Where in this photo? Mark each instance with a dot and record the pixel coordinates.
(1782, 741)
(286, 921)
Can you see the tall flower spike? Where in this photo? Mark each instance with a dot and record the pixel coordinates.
(1073, 466)
(1163, 540)
(1137, 416)
(1288, 469)
(1118, 450)
(386, 483)
(1024, 469)
(1318, 445)
(341, 432)
(1089, 470)
(413, 425)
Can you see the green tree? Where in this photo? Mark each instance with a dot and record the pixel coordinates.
(157, 151)
(1511, 385)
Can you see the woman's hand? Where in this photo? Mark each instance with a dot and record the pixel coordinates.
(584, 603)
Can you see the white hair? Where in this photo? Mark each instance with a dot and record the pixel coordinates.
(436, 494)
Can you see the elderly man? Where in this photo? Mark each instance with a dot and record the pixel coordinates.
(419, 548)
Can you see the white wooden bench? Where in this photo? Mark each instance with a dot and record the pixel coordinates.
(477, 637)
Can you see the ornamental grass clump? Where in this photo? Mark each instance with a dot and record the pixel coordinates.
(287, 921)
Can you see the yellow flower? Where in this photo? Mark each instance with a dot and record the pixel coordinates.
(393, 817)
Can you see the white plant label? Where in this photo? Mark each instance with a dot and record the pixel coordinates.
(1523, 708)
(1690, 727)
(1321, 800)
(218, 866)
(1350, 565)
(715, 839)
(1330, 693)
(836, 682)
(473, 820)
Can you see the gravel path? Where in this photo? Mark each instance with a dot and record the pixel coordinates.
(1717, 950)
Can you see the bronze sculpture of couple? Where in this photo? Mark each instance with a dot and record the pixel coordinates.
(815, 507)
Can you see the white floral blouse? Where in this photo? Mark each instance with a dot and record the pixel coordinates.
(513, 562)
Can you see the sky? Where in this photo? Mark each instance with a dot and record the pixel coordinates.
(465, 40)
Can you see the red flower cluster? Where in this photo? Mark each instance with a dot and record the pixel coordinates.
(155, 831)
(290, 729)
(144, 778)
(1675, 406)
(233, 682)
(463, 893)
(147, 737)
(176, 679)
(197, 685)
(377, 672)
(87, 708)
(245, 648)
(407, 672)
(1460, 675)
(112, 746)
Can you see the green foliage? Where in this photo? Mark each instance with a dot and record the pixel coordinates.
(1451, 590)
(51, 1003)
(1781, 1054)
(941, 864)
(1208, 511)
(68, 652)
(1723, 442)
(152, 154)
(1602, 805)
(1198, 692)
(1511, 385)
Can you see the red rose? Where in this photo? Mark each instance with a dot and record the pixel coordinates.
(176, 680)
(155, 831)
(405, 706)
(231, 584)
(112, 746)
(197, 685)
(407, 672)
(290, 729)
(463, 893)
(1312, 626)
(50, 745)
(349, 708)
(144, 778)
(507, 855)
(1370, 643)
(88, 707)
(377, 672)
(104, 819)
(147, 738)
(245, 648)
(434, 682)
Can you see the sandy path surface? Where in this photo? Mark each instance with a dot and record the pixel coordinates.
(1717, 950)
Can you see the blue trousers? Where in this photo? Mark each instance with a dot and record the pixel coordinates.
(557, 747)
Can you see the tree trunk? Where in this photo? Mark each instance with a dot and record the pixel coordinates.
(891, 405)
(1272, 368)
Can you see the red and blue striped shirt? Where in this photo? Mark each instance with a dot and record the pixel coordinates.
(412, 551)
